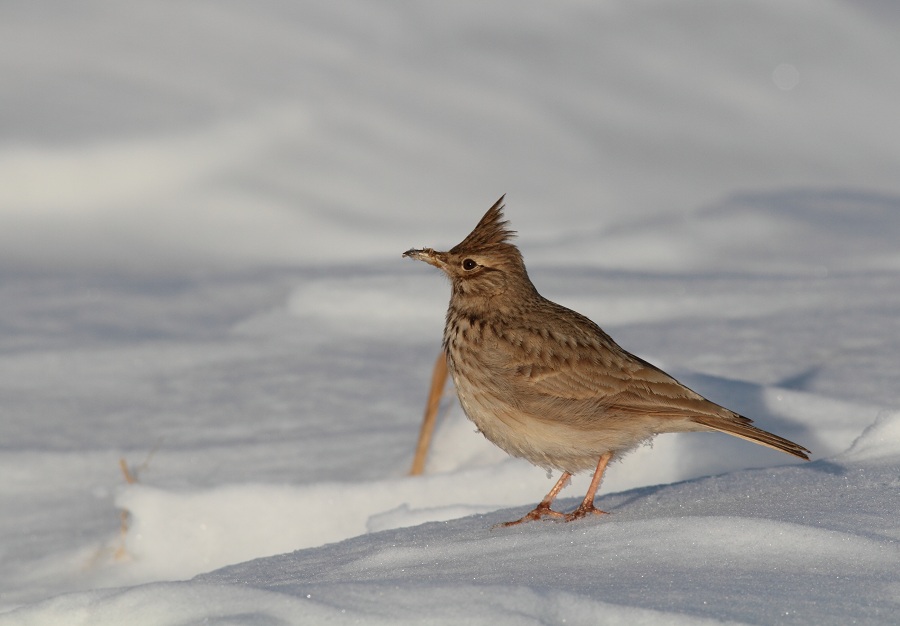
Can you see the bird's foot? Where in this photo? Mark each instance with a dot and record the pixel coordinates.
(541, 511)
(583, 511)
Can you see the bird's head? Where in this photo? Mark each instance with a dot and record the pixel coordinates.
(484, 264)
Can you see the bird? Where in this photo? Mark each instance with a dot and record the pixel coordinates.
(547, 384)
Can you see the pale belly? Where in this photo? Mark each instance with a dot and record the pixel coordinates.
(547, 443)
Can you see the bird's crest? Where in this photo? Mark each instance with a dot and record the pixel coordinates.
(492, 231)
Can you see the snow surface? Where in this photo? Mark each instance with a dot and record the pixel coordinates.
(202, 210)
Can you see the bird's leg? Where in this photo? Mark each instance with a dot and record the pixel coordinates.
(587, 505)
(543, 509)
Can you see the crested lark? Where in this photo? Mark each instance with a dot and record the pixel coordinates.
(547, 384)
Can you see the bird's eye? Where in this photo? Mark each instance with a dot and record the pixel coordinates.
(469, 265)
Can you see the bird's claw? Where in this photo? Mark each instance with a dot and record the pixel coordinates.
(543, 511)
(583, 511)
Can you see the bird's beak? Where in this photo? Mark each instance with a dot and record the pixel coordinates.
(438, 259)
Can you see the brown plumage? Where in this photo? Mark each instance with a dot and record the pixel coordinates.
(546, 383)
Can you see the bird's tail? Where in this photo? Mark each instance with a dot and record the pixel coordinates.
(741, 426)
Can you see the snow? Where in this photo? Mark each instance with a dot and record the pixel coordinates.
(202, 211)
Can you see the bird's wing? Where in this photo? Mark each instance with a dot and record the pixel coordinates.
(588, 376)
(593, 369)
